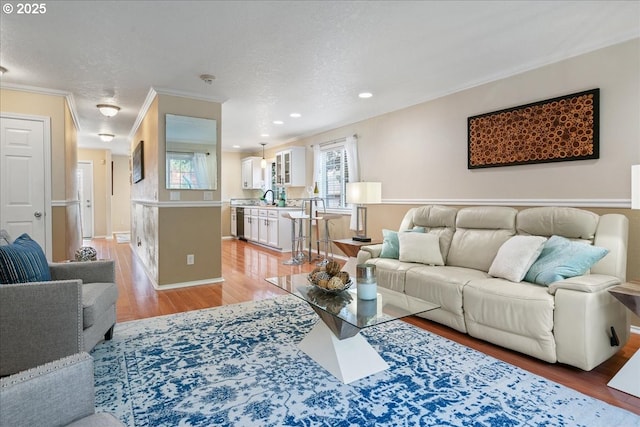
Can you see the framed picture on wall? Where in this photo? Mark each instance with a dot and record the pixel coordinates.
(138, 163)
(553, 130)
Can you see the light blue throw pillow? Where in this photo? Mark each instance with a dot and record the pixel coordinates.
(391, 243)
(562, 258)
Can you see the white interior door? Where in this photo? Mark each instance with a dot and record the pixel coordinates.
(24, 199)
(85, 194)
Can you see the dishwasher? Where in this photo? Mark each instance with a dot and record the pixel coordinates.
(240, 223)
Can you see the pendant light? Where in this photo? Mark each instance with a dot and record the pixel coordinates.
(263, 162)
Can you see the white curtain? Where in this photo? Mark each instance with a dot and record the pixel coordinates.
(351, 147)
(202, 170)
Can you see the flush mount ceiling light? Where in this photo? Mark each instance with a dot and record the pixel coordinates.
(207, 78)
(365, 95)
(263, 162)
(295, 115)
(2, 70)
(106, 137)
(108, 110)
(278, 122)
(264, 135)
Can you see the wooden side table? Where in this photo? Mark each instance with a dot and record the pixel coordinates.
(351, 247)
(628, 377)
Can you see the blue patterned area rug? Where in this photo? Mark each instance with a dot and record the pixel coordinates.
(239, 365)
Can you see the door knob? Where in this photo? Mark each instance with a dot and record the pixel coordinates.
(37, 214)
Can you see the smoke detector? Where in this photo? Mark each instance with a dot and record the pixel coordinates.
(207, 78)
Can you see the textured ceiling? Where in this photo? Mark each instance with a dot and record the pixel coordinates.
(272, 58)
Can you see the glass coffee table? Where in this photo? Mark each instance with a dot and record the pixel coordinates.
(335, 343)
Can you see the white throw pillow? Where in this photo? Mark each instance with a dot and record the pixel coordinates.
(420, 247)
(516, 256)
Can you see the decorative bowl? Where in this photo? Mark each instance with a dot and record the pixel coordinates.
(330, 291)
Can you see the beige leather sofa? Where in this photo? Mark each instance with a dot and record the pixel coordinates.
(568, 321)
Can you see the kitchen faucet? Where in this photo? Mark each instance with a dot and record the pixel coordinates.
(273, 197)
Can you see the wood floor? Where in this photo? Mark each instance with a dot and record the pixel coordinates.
(244, 267)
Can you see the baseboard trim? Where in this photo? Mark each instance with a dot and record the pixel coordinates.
(188, 284)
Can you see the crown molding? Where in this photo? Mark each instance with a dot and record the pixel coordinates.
(46, 91)
(576, 203)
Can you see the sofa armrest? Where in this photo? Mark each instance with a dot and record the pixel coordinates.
(39, 322)
(369, 251)
(56, 393)
(87, 271)
(585, 283)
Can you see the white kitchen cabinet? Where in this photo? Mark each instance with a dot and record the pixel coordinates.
(234, 222)
(291, 166)
(255, 225)
(247, 225)
(273, 235)
(252, 173)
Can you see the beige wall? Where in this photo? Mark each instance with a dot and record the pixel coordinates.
(165, 231)
(65, 211)
(420, 153)
(121, 198)
(101, 160)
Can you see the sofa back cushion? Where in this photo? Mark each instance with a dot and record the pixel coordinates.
(479, 233)
(438, 220)
(572, 223)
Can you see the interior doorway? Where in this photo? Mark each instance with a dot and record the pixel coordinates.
(85, 195)
(25, 177)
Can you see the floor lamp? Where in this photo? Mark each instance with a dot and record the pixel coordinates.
(363, 193)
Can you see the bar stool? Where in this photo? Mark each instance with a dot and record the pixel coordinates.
(326, 238)
(297, 237)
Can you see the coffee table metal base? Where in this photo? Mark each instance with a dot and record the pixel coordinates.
(349, 359)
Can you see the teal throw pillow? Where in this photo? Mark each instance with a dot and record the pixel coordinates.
(562, 258)
(390, 244)
(23, 261)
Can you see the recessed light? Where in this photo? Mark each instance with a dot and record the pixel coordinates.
(106, 137)
(264, 135)
(278, 122)
(235, 146)
(365, 95)
(295, 115)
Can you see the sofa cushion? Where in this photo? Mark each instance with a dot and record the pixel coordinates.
(390, 273)
(562, 258)
(519, 316)
(96, 299)
(480, 231)
(516, 256)
(422, 248)
(561, 221)
(23, 261)
(440, 220)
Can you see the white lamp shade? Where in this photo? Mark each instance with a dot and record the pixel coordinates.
(364, 192)
(635, 187)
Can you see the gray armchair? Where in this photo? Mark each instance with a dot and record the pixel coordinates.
(59, 393)
(44, 321)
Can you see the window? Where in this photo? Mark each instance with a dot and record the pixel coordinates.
(334, 172)
(181, 171)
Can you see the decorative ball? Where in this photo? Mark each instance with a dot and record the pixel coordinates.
(344, 277)
(332, 268)
(335, 283)
(86, 253)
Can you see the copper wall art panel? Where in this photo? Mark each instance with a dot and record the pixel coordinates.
(554, 130)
